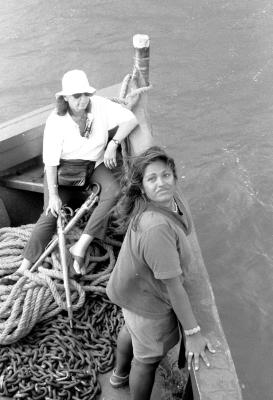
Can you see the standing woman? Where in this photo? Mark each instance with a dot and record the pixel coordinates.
(147, 280)
(77, 131)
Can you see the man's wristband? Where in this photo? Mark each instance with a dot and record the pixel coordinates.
(192, 331)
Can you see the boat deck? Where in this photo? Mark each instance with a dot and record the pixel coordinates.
(109, 393)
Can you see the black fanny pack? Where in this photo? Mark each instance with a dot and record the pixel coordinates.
(75, 172)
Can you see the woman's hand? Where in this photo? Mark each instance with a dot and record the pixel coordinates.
(196, 346)
(110, 159)
(54, 205)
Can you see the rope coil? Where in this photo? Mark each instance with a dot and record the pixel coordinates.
(29, 297)
(56, 362)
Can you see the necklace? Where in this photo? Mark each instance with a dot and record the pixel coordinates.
(85, 123)
(88, 125)
(174, 206)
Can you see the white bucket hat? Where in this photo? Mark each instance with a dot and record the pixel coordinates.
(75, 81)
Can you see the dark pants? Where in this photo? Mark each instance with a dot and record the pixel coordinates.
(97, 223)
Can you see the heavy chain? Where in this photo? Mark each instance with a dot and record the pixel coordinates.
(56, 362)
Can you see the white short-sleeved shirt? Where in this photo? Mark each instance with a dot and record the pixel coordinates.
(62, 138)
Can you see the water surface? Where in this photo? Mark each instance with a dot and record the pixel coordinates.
(211, 104)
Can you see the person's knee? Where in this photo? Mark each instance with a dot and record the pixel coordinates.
(146, 368)
(109, 192)
(125, 340)
(124, 333)
(105, 178)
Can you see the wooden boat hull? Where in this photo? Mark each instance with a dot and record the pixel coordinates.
(21, 192)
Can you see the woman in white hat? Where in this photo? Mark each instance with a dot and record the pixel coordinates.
(78, 131)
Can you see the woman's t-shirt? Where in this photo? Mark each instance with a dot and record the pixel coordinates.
(157, 250)
(62, 138)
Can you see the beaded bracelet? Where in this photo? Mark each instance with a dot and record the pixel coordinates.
(192, 331)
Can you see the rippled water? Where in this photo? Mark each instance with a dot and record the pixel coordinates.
(211, 104)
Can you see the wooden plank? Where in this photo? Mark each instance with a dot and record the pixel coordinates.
(220, 381)
(15, 151)
(30, 179)
(23, 123)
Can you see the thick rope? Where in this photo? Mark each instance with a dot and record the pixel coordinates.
(55, 361)
(129, 100)
(27, 298)
(11, 247)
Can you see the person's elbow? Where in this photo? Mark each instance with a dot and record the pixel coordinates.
(131, 123)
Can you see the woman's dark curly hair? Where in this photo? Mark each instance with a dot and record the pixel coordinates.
(62, 106)
(133, 201)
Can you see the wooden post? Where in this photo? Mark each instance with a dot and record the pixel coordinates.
(141, 45)
(141, 138)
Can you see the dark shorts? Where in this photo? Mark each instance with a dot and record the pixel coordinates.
(151, 338)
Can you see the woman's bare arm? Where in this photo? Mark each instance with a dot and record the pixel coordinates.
(196, 344)
(55, 203)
